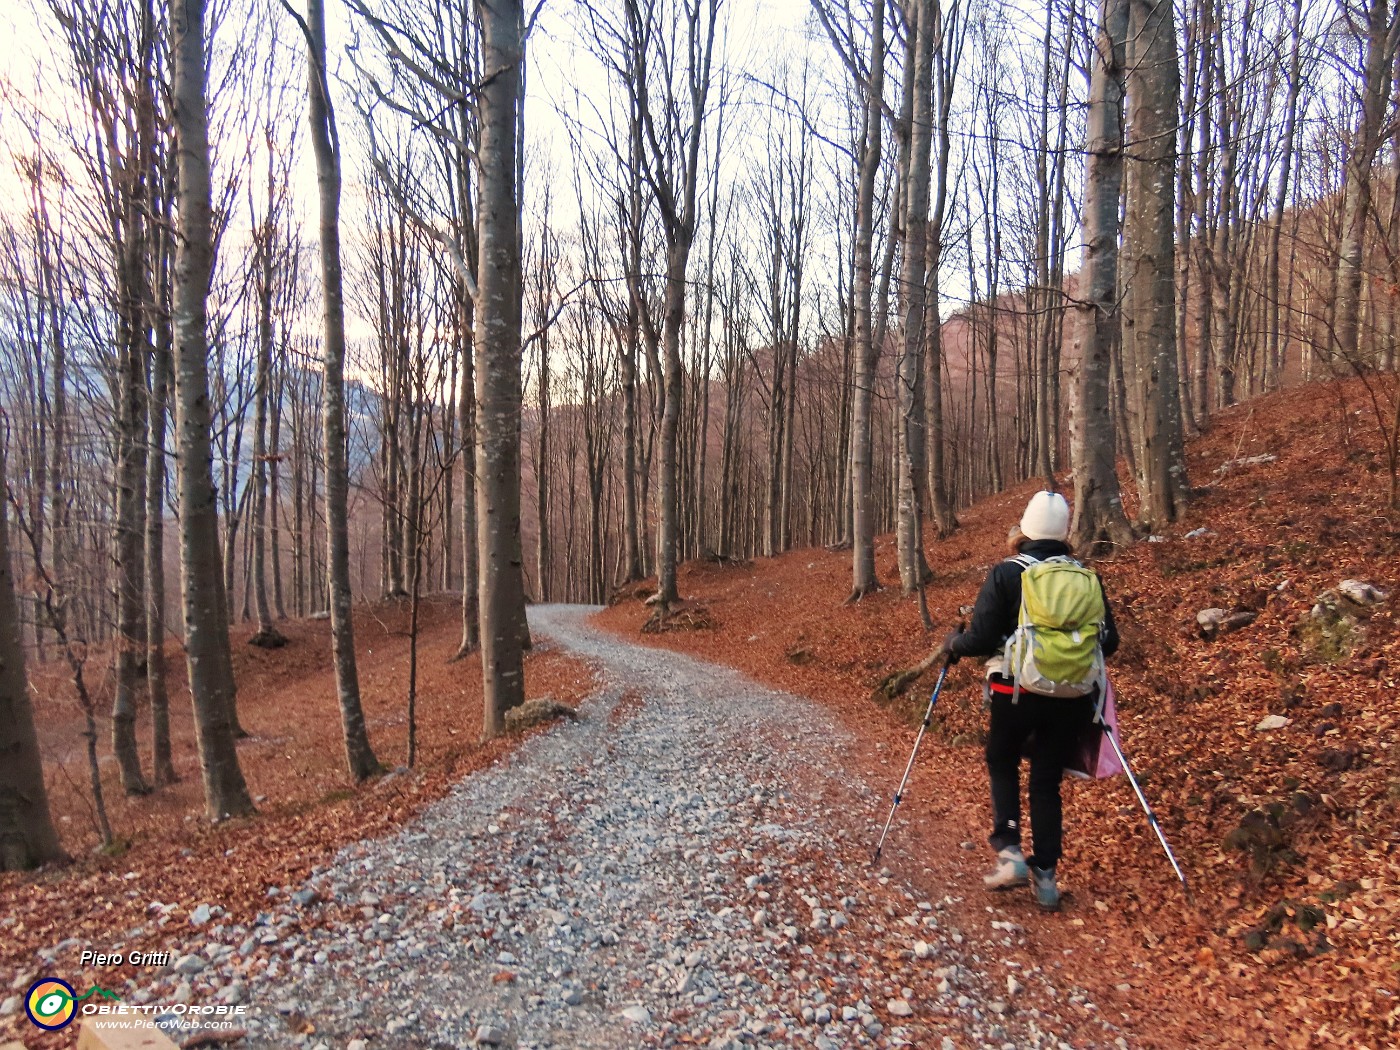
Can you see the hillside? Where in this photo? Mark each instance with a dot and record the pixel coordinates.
(1288, 836)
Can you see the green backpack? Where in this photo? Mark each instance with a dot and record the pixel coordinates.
(1055, 649)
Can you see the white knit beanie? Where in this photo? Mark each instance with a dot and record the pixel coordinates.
(1046, 517)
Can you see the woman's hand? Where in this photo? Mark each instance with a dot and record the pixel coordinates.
(951, 656)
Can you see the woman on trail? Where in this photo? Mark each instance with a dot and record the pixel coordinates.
(1042, 714)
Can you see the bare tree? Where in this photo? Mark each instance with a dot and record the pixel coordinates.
(916, 147)
(1149, 353)
(544, 285)
(669, 113)
(162, 759)
(268, 258)
(27, 834)
(54, 605)
(325, 143)
(498, 394)
(1381, 33)
(202, 588)
(949, 32)
(1098, 505)
(781, 190)
(871, 81)
(432, 52)
(113, 49)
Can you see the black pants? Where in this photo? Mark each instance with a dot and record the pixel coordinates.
(1045, 729)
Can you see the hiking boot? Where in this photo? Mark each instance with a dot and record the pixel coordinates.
(1047, 894)
(1011, 870)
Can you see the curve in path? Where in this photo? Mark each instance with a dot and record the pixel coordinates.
(686, 865)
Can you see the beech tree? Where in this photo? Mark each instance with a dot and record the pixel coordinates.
(668, 107)
(325, 143)
(272, 266)
(948, 35)
(1381, 35)
(498, 392)
(916, 147)
(1149, 351)
(27, 834)
(201, 570)
(118, 83)
(162, 757)
(870, 80)
(1098, 504)
(430, 53)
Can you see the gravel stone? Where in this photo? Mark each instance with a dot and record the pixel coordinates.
(676, 872)
(189, 965)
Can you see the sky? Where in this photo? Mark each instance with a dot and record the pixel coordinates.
(758, 35)
(559, 61)
(755, 35)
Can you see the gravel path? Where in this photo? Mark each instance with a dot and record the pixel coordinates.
(686, 865)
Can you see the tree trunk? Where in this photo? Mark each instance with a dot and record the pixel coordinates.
(1150, 329)
(466, 422)
(1038, 297)
(202, 589)
(498, 394)
(163, 766)
(27, 834)
(1356, 196)
(542, 463)
(274, 493)
(266, 636)
(667, 493)
(909, 379)
(1098, 505)
(128, 544)
(299, 530)
(946, 58)
(326, 144)
(1277, 342)
(867, 352)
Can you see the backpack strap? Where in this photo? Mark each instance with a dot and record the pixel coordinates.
(1025, 561)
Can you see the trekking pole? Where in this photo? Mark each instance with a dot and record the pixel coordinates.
(899, 794)
(1151, 817)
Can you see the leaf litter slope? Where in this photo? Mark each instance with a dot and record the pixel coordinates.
(1290, 837)
(295, 765)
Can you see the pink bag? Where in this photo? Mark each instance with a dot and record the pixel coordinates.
(1094, 757)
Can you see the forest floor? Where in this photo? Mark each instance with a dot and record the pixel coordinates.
(1290, 836)
(169, 859)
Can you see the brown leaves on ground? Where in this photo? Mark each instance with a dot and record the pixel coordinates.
(1290, 837)
(294, 761)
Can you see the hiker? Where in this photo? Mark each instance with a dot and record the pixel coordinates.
(1060, 672)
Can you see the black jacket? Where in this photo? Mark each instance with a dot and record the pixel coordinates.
(999, 606)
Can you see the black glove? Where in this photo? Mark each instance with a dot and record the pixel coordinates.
(948, 647)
